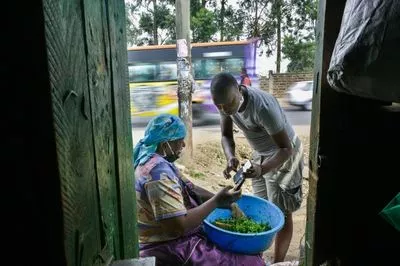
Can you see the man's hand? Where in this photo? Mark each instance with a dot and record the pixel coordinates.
(255, 171)
(231, 165)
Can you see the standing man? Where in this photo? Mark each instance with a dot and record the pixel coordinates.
(277, 161)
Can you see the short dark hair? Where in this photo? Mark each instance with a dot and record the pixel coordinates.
(222, 82)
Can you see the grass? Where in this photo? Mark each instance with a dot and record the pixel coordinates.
(197, 175)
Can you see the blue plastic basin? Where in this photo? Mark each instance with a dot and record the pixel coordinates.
(260, 210)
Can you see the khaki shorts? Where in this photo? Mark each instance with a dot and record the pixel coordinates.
(283, 186)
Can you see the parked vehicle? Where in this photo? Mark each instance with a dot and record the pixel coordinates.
(300, 94)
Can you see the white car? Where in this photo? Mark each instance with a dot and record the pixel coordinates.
(300, 94)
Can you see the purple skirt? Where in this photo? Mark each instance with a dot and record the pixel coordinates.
(195, 249)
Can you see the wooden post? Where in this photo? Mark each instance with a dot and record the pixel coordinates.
(317, 247)
(69, 149)
(184, 66)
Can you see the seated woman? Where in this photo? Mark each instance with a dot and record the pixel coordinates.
(170, 208)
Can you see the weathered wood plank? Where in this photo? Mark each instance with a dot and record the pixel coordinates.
(318, 246)
(100, 95)
(329, 15)
(62, 152)
(314, 137)
(122, 130)
(73, 128)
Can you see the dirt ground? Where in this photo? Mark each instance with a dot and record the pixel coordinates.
(206, 170)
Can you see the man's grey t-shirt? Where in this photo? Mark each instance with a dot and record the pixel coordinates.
(262, 118)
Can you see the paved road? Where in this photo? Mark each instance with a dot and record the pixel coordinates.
(298, 117)
(300, 120)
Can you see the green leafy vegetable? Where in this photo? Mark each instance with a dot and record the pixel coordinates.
(242, 225)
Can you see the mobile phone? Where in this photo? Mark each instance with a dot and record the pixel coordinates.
(238, 178)
(239, 184)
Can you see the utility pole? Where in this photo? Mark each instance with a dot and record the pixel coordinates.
(184, 68)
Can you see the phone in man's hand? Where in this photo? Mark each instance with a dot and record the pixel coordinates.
(238, 178)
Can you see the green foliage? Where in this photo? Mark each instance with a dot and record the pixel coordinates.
(195, 6)
(132, 31)
(300, 53)
(146, 22)
(269, 19)
(197, 175)
(216, 16)
(156, 20)
(203, 25)
(153, 22)
(230, 20)
(241, 225)
(234, 24)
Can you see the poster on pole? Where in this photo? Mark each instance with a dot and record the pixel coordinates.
(182, 48)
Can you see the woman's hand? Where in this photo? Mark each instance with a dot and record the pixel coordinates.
(226, 196)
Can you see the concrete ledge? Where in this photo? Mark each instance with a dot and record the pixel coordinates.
(148, 261)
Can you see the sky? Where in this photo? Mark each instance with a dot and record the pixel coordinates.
(265, 64)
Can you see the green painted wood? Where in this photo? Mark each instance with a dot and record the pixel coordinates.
(99, 82)
(69, 136)
(314, 137)
(122, 131)
(86, 49)
(73, 129)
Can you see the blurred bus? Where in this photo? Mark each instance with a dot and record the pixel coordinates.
(153, 76)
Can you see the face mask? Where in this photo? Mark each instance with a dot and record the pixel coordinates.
(171, 157)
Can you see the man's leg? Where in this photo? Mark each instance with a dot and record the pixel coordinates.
(288, 201)
(283, 238)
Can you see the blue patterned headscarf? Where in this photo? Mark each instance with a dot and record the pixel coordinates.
(160, 129)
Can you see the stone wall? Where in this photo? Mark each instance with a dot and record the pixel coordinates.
(277, 84)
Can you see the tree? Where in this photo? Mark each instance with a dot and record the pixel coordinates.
(257, 21)
(132, 31)
(230, 21)
(203, 25)
(300, 53)
(273, 20)
(234, 24)
(221, 21)
(158, 22)
(299, 42)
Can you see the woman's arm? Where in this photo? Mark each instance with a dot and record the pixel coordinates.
(194, 217)
(202, 193)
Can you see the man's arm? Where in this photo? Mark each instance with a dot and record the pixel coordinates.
(280, 157)
(284, 152)
(227, 141)
(228, 145)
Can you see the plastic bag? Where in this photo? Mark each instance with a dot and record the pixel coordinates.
(391, 213)
(366, 58)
